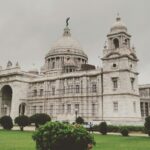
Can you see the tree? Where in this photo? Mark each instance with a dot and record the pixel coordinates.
(39, 119)
(147, 125)
(22, 121)
(80, 120)
(6, 122)
(61, 136)
(103, 128)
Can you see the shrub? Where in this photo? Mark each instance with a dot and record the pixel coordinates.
(80, 120)
(112, 128)
(124, 131)
(22, 121)
(6, 122)
(39, 119)
(95, 128)
(103, 128)
(147, 125)
(60, 136)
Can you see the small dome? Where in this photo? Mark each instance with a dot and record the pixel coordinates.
(66, 45)
(118, 26)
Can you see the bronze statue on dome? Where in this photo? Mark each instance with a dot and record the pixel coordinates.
(67, 20)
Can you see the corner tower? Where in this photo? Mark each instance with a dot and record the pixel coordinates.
(120, 76)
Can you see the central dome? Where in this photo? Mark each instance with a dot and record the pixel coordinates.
(66, 55)
(66, 45)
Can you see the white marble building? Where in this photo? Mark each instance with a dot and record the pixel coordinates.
(67, 86)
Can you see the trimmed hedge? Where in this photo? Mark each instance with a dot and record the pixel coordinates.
(113, 128)
(22, 121)
(103, 129)
(147, 125)
(124, 131)
(39, 119)
(80, 120)
(6, 122)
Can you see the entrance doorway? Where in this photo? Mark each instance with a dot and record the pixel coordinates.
(6, 93)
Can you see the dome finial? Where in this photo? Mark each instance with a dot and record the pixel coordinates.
(118, 18)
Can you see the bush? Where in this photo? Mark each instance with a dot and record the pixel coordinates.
(22, 121)
(80, 120)
(124, 131)
(39, 119)
(95, 128)
(6, 122)
(112, 128)
(60, 136)
(103, 128)
(147, 125)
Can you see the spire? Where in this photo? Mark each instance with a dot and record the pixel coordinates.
(17, 65)
(66, 29)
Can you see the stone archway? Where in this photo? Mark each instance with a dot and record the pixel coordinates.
(6, 100)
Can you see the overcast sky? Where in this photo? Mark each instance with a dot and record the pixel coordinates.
(29, 27)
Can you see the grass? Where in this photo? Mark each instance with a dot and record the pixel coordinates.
(116, 142)
(17, 140)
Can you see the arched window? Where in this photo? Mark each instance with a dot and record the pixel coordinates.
(22, 108)
(116, 43)
(126, 41)
(53, 65)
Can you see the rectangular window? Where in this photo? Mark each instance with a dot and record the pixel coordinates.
(63, 90)
(51, 109)
(77, 88)
(93, 109)
(40, 109)
(63, 108)
(33, 109)
(77, 107)
(70, 89)
(142, 109)
(146, 109)
(41, 92)
(68, 108)
(53, 90)
(35, 93)
(115, 106)
(94, 88)
(134, 107)
(132, 83)
(115, 82)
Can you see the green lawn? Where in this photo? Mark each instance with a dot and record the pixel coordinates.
(116, 142)
(16, 140)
